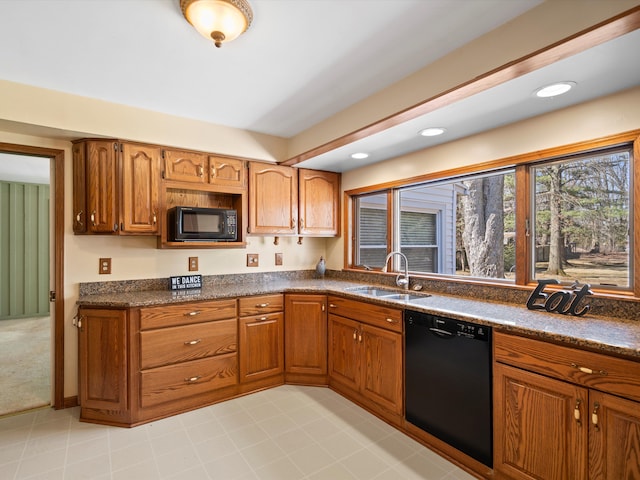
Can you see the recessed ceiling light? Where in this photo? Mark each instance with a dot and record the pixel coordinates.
(555, 89)
(432, 132)
(359, 155)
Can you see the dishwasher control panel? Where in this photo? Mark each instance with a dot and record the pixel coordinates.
(448, 327)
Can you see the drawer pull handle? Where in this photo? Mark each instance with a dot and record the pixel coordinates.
(193, 379)
(262, 305)
(193, 342)
(391, 320)
(594, 416)
(263, 319)
(588, 370)
(355, 334)
(193, 314)
(576, 412)
(333, 305)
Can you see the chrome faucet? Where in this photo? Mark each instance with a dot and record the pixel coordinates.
(402, 280)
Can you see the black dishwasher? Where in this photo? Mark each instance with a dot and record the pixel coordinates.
(448, 381)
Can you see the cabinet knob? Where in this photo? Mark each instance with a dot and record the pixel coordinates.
(192, 314)
(93, 218)
(333, 305)
(193, 379)
(576, 412)
(391, 320)
(262, 305)
(193, 342)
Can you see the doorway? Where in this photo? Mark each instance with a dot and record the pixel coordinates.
(36, 372)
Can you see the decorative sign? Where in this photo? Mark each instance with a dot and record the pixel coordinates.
(185, 282)
(561, 301)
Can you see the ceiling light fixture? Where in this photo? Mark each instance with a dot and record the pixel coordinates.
(359, 155)
(220, 20)
(555, 89)
(432, 132)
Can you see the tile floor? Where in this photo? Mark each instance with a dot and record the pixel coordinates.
(284, 433)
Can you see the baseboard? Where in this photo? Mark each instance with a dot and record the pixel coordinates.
(70, 402)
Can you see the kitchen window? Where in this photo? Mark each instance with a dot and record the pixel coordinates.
(567, 217)
(582, 214)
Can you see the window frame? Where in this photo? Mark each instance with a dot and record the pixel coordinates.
(522, 165)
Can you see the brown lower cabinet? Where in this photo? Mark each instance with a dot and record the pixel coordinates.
(305, 338)
(261, 328)
(563, 414)
(365, 354)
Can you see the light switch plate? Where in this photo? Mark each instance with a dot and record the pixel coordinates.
(104, 266)
(252, 259)
(193, 264)
(278, 259)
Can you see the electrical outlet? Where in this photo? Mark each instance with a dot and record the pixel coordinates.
(252, 259)
(193, 264)
(104, 267)
(278, 259)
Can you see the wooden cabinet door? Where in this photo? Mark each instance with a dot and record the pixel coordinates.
(140, 193)
(229, 172)
(614, 438)
(261, 346)
(80, 216)
(344, 351)
(101, 170)
(305, 334)
(273, 199)
(319, 200)
(184, 166)
(540, 426)
(382, 367)
(102, 359)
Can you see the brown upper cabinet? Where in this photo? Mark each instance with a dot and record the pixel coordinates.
(288, 201)
(115, 188)
(200, 168)
(319, 202)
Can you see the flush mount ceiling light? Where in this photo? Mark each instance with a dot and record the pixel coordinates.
(555, 89)
(220, 20)
(432, 132)
(359, 155)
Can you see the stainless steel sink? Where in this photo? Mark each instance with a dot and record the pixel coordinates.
(374, 291)
(387, 293)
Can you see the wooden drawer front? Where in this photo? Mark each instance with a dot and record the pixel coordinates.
(602, 372)
(377, 315)
(173, 382)
(185, 166)
(261, 304)
(189, 342)
(183, 314)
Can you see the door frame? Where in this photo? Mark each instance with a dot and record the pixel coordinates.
(57, 181)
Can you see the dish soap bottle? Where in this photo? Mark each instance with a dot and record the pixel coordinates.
(321, 267)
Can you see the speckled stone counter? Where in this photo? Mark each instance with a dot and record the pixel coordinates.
(620, 336)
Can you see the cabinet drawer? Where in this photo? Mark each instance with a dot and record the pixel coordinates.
(377, 315)
(261, 304)
(188, 342)
(602, 372)
(182, 314)
(173, 382)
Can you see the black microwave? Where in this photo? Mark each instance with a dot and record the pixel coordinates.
(203, 224)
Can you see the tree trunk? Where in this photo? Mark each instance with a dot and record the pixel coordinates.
(483, 234)
(556, 243)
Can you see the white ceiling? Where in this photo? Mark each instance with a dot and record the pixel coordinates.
(299, 63)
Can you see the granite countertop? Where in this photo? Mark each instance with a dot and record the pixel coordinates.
(604, 334)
